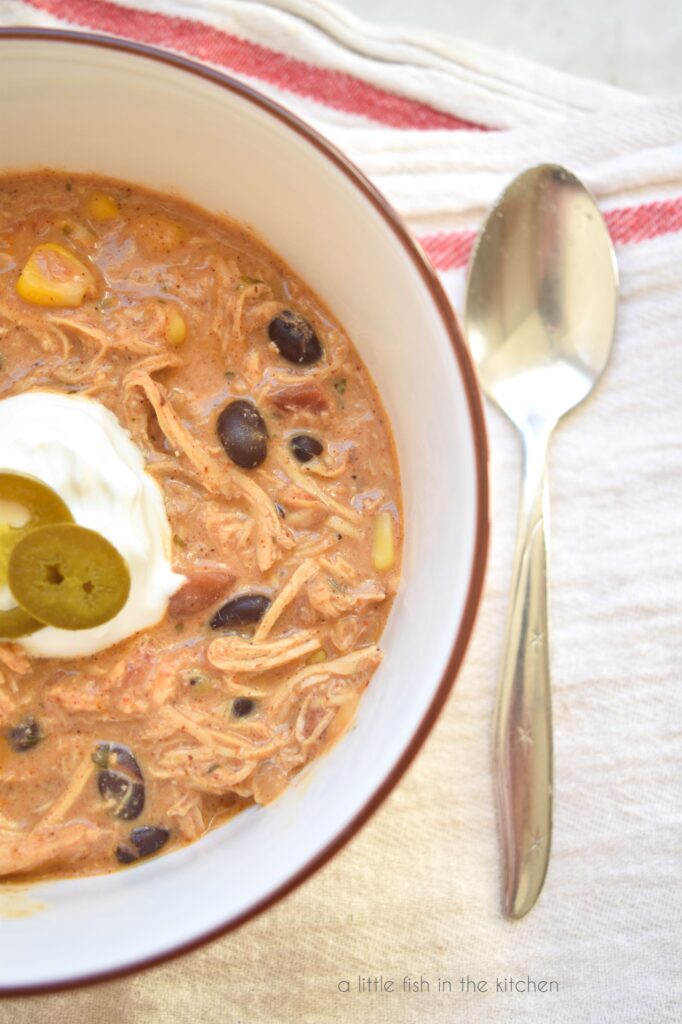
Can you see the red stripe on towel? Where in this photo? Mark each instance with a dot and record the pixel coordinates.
(628, 225)
(639, 223)
(448, 250)
(335, 89)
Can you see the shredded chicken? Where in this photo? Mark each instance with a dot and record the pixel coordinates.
(269, 782)
(334, 463)
(346, 632)
(49, 846)
(340, 568)
(7, 704)
(84, 326)
(87, 696)
(133, 688)
(225, 743)
(68, 798)
(292, 587)
(339, 525)
(218, 478)
(316, 546)
(211, 760)
(197, 768)
(234, 654)
(15, 658)
(303, 480)
(256, 294)
(367, 657)
(304, 511)
(49, 339)
(187, 812)
(314, 718)
(257, 314)
(332, 598)
(225, 275)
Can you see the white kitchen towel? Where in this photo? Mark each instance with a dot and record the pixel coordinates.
(441, 126)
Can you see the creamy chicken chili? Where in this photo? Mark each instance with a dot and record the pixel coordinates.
(212, 495)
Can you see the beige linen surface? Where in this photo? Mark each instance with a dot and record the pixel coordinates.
(417, 892)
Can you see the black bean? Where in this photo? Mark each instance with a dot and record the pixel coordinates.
(305, 447)
(148, 839)
(295, 337)
(24, 735)
(119, 781)
(116, 755)
(123, 795)
(245, 610)
(124, 855)
(243, 434)
(242, 706)
(131, 804)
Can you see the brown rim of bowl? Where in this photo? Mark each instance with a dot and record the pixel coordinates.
(468, 375)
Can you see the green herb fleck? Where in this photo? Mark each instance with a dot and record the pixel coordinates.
(212, 767)
(179, 541)
(67, 229)
(100, 755)
(340, 385)
(229, 374)
(179, 626)
(245, 281)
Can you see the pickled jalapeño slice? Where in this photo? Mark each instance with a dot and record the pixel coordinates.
(25, 504)
(67, 576)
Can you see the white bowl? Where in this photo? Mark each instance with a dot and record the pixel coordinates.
(83, 103)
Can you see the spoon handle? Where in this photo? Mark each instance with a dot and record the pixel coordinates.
(523, 713)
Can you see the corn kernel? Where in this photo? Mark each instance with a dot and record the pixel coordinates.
(52, 276)
(317, 657)
(158, 233)
(383, 546)
(102, 207)
(176, 328)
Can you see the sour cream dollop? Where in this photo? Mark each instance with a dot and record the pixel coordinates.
(78, 447)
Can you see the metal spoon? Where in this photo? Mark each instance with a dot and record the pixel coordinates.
(540, 317)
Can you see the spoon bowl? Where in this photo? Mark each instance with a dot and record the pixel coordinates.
(541, 297)
(540, 318)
